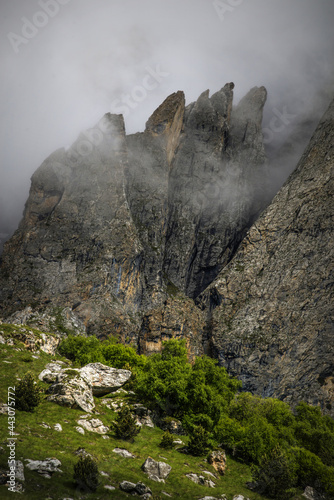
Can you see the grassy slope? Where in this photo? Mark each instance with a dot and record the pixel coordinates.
(36, 442)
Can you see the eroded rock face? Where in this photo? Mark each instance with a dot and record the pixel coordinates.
(274, 327)
(119, 231)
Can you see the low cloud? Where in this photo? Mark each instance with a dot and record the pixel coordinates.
(68, 62)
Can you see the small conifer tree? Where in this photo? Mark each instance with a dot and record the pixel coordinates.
(125, 426)
(199, 441)
(167, 440)
(86, 474)
(28, 394)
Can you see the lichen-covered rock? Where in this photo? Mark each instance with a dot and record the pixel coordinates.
(217, 459)
(135, 489)
(93, 425)
(157, 471)
(45, 467)
(123, 453)
(104, 379)
(50, 372)
(199, 479)
(72, 390)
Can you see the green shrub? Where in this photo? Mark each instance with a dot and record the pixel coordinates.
(125, 426)
(276, 476)
(312, 472)
(86, 474)
(199, 443)
(86, 350)
(28, 394)
(167, 440)
(259, 439)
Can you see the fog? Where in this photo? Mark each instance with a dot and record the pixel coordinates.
(65, 63)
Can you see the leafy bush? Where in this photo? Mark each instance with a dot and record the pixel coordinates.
(312, 472)
(276, 476)
(86, 474)
(167, 440)
(28, 393)
(196, 394)
(86, 350)
(125, 426)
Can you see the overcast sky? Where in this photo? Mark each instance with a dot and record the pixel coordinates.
(65, 63)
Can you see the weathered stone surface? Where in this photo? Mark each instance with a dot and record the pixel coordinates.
(274, 327)
(157, 471)
(104, 379)
(93, 425)
(19, 471)
(312, 494)
(201, 480)
(45, 467)
(33, 341)
(123, 453)
(50, 372)
(72, 391)
(136, 489)
(217, 459)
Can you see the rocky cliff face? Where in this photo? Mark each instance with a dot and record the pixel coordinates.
(123, 229)
(274, 325)
(139, 236)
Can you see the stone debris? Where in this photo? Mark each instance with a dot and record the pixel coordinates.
(201, 480)
(94, 425)
(135, 489)
(157, 471)
(45, 468)
(123, 453)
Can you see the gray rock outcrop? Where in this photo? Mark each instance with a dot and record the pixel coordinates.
(104, 379)
(135, 489)
(274, 327)
(45, 467)
(199, 479)
(71, 390)
(157, 471)
(76, 387)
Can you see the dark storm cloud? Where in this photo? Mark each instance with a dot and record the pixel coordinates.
(67, 62)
